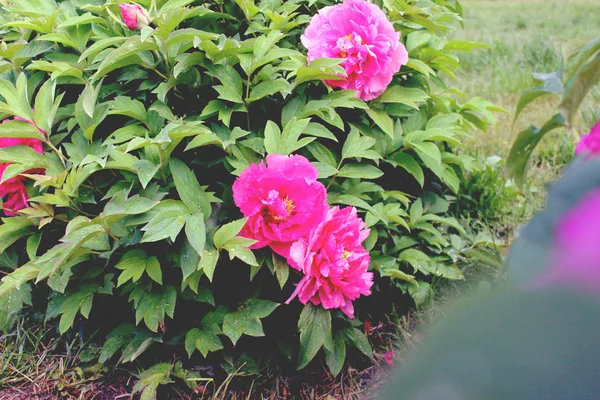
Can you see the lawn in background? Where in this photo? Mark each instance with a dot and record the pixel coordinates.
(526, 37)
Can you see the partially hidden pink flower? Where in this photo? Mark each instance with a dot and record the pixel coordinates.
(134, 16)
(13, 188)
(389, 358)
(358, 32)
(576, 262)
(282, 199)
(334, 262)
(590, 143)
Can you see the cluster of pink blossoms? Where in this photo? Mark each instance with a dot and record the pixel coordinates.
(358, 32)
(14, 189)
(287, 210)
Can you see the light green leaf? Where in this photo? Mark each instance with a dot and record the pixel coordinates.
(188, 188)
(383, 120)
(195, 231)
(246, 320)
(404, 95)
(228, 232)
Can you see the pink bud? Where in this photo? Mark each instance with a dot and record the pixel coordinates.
(134, 16)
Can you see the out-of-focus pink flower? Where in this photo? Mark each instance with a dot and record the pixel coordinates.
(358, 32)
(134, 16)
(576, 262)
(14, 188)
(389, 357)
(283, 201)
(590, 143)
(334, 262)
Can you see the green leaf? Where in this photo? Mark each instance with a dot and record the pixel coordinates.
(335, 359)
(407, 162)
(166, 224)
(246, 320)
(578, 87)
(134, 263)
(208, 262)
(359, 340)
(265, 89)
(282, 270)
(115, 340)
(19, 129)
(228, 232)
(13, 229)
(404, 95)
(46, 106)
(75, 302)
(151, 306)
(123, 55)
(88, 97)
(188, 188)
(129, 107)
(151, 379)
(11, 304)
(205, 340)
(363, 171)
(358, 146)
(383, 120)
(195, 231)
(315, 332)
(523, 146)
(146, 171)
(238, 247)
(551, 83)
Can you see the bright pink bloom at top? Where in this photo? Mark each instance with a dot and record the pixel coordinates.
(591, 142)
(14, 187)
(577, 258)
(134, 16)
(334, 262)
(360, 33)
(283, 201)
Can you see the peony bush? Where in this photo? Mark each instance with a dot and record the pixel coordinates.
(236, 181)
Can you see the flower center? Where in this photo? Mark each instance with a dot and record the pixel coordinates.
(278, 208)
(346, 254)
(289, 207)
(347, 43)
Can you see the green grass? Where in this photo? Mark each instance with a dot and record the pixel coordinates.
(525, 37)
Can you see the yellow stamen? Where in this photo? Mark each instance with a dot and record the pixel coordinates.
(289, 206)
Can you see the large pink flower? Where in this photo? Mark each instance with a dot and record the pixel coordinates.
(14, 189)
(134, 16)
(283, 201)
(577, 259)
(590, 143)
(334, 262)
(360, 33)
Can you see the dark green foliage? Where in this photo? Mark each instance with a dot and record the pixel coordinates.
(132, 229)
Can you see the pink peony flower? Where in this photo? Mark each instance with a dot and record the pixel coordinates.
(134, 16)
(590, 143)
(283, 201)
(577, 259)
(334, 262)
(358, 32)
(14, 188)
